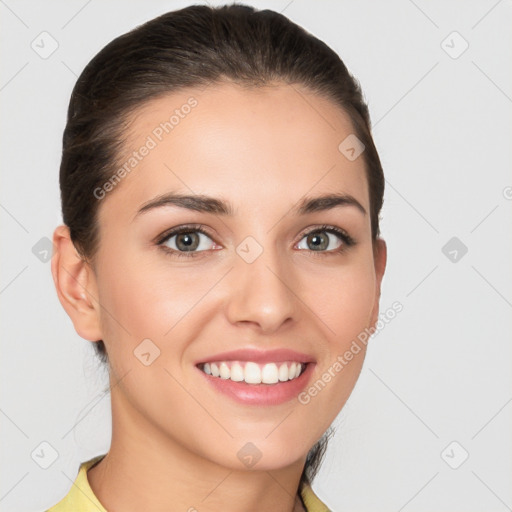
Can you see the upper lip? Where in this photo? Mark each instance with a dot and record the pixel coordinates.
(259, 356)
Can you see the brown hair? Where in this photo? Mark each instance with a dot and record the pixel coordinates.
(194, 46)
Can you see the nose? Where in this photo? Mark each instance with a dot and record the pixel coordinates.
(261, 293)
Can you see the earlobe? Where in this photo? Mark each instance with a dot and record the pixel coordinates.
(76, 286)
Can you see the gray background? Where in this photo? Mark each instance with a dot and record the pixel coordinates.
(436, 385)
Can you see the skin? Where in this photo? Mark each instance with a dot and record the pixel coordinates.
(175, 439)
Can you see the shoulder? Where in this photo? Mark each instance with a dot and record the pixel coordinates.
(80, 497)
(312, 501)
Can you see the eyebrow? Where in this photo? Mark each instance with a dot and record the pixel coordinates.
(207, 204)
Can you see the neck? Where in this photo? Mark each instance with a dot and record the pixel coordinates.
(147, 470)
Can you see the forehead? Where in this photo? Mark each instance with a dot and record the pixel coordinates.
(253, 146)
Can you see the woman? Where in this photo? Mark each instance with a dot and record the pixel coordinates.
(221, 195)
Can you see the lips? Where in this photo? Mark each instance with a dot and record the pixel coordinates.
(256, 377)
(259, 356)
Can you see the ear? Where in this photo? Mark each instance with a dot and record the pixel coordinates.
(76, 286)
(379, 257)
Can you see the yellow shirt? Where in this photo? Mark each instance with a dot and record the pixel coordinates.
(80, 497)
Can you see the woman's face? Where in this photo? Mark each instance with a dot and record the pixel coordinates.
(255, 287)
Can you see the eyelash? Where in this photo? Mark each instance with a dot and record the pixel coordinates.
(347, 240)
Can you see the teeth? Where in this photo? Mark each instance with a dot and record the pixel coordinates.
(283, 373)
(254, 373)
(215, 370)
(224, 371)
(237, 372)
(269, 374)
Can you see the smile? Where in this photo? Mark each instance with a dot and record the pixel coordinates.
(254, 377)
(253, 373)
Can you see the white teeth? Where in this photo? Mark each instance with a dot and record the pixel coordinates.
(224, 371)
(254, 373)
(215, 370)
(269, 374)
(237, 372)
(283, 373)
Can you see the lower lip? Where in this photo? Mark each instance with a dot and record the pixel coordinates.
(261, 394)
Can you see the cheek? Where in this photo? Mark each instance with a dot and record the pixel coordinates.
(343, 300)
(133, 294)
(344, 304)
(143, 298)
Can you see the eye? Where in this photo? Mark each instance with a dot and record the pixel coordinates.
(186, 241)
(321, 238)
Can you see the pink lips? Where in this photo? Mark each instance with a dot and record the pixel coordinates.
(260, 394)
(259, 356)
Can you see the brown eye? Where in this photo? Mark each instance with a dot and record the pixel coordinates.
(187, 241)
